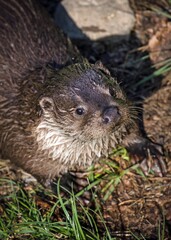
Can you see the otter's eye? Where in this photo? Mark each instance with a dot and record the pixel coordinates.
(80, 111)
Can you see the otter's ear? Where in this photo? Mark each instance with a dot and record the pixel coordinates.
(47, 104)
(99, 65)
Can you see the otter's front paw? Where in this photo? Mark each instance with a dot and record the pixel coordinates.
(76, 182)
(149, 156)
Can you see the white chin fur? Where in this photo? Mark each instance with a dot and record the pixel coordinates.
(67, 149)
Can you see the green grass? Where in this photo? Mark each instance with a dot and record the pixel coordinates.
(164, 68)
(22, 218)
(39, 215)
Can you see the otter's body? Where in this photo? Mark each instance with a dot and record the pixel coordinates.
(54, 115)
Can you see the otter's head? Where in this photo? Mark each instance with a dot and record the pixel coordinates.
(84, 112)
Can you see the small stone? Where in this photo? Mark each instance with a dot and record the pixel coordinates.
(95, 19)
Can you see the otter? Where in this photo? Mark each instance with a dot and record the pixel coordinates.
(58, 111)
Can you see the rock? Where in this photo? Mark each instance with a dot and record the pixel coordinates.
(95, 19)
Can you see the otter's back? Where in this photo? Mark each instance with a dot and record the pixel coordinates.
(28, 39)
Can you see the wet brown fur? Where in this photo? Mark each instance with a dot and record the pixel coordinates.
(39, 129)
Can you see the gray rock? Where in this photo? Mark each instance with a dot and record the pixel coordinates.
(95, 19)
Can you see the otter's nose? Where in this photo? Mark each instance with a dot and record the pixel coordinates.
(111, 114)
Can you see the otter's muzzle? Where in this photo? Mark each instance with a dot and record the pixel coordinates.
(111, 114)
